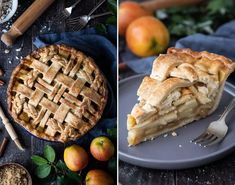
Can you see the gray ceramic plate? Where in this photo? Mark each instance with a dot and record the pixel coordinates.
(165, 152)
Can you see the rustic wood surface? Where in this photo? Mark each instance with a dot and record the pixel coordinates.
(8, 61)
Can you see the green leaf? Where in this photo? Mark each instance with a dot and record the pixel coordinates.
(112, 165)
(206, 17)
(39, 160)
(66, 180)
(112, 133)
(61, 165)
(111, 20)
(219, 6)
(60, 180)
(49, 153)
(68, 176)
(73, 176)
(101, 28)
(43, 171)
(112, 6)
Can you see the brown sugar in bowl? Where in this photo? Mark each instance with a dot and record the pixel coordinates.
(13, 173)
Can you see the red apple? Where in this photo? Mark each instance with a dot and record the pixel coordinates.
(102, 148)
(75, 158)
(147, 36)
(128, 12)
(98, 177)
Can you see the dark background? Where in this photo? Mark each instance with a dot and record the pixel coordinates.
(45, 24)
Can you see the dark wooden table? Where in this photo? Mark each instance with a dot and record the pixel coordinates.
(8, 61)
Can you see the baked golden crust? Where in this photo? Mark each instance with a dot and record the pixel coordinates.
(184, 86)
(57, 93)
(156, 94)
(187, 62)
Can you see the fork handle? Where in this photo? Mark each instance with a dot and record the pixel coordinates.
(75, 4)
(228, 109)
(96, 7)
(100, 15)
(25, 21)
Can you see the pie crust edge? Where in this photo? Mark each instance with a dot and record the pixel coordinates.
(12, 82)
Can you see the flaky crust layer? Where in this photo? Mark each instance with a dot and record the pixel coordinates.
(183, 67)
(208, 62)
(155, 94)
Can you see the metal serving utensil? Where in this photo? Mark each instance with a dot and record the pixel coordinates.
(216, 130)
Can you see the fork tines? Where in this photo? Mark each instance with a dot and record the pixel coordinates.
(206, 139)
(78, 26)
(61, 16)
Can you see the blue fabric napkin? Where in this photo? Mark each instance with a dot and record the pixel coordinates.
(221, 42)
(102, 48)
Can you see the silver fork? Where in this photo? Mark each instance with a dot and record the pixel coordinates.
(216, 130)
(67, 11)
(82, 21)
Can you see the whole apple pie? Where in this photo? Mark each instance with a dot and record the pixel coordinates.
(57, 93)
(184, 86)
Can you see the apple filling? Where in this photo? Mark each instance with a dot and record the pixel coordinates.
(181, 106)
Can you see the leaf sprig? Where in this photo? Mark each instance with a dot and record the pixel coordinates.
(203, 18)
(48, 166)
(111, 20)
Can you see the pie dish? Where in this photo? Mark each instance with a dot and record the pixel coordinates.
(57, 93)
(184, 86)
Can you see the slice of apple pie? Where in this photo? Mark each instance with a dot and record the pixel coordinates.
(184, 86)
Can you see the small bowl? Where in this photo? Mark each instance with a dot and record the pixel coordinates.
(12, 12)
(19, 166)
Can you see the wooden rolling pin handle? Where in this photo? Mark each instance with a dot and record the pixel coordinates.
(25, 21)
(10, 37)
(153, 5)
(7, 125)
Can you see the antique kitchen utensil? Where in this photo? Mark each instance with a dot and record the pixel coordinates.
(82, 21)
(96, 7)
(216, 130)
(159, 4)
(10, 129)
(67, 11)
(25, 21)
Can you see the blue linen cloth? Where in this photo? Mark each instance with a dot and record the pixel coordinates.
(102, 48)
(221, 42)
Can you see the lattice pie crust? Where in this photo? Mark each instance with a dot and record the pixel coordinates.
(57, 93)
(184, 86)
